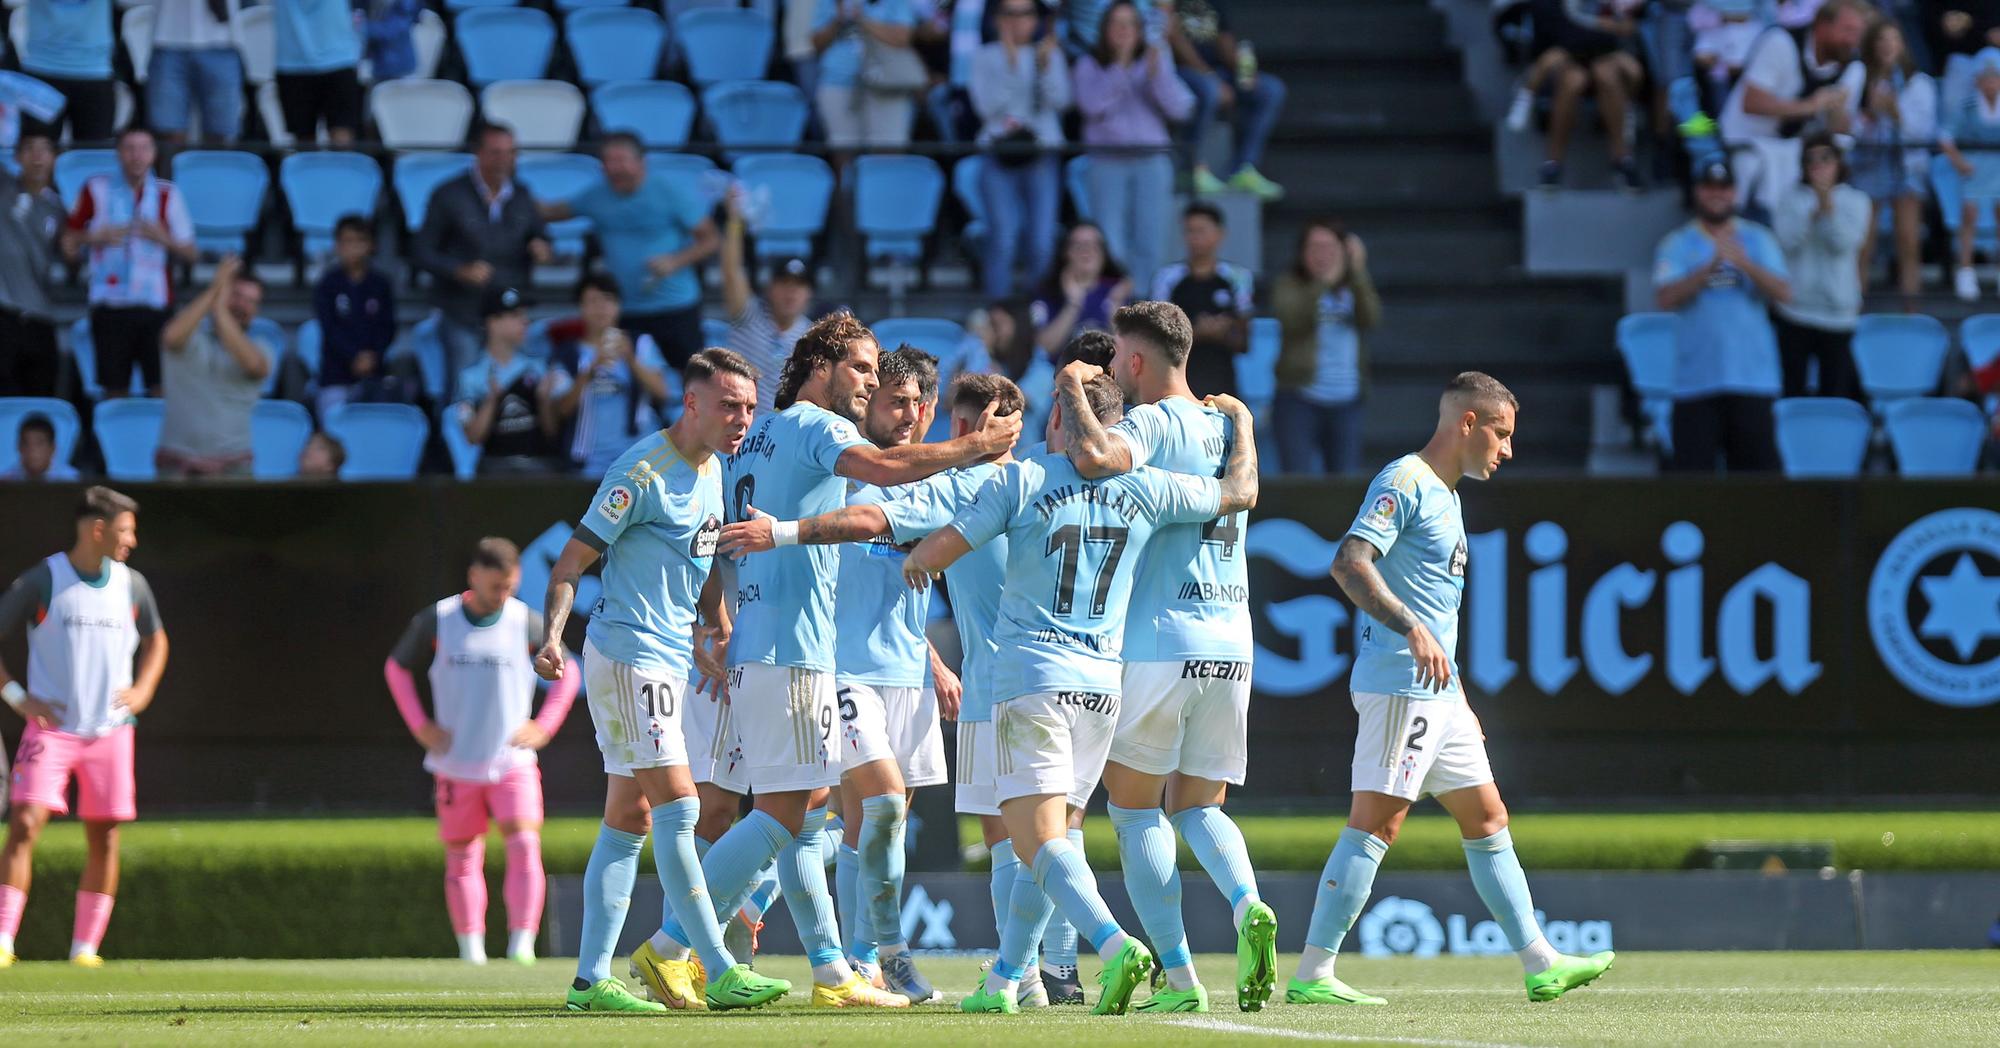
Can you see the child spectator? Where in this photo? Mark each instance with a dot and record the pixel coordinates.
(322, 457)
(1216, 297)
(617, 379)
(356, 308)
(1976, 126)
(35, 448)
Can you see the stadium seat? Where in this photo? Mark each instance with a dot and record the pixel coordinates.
(135, 31)
(456, 6)
(1935, 436)
(271, 335)
(798, 189)
(383, 441)
(561, 176)
(724, 44)
(759, 114)
(279, 430)
(421, 114)
(714, 332)
(1899, 355)
(1076, 179)
(586, 5)
(965, 186)
(224, 190)
(306, 346)
(622, 43)
(660, 112)
(464, 453)
(937, 336)
(896, 202)
(60, 415)
(128, 432)
(1950, 191)
(74, 168)
(427, 36)
(426, 347)
(1822, 436)
(1647, 342)
(545, 114)
(320, 188)
(505, 43)
(417, 176)
(695, 170)
(1256, 369)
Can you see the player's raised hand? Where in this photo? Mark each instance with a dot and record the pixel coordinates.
(997, 433)
(434, 738)
(1433, 665)
(1078, 372)
(549, 661)
(530, 735)
(746, 536)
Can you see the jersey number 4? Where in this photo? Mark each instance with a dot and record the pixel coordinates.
(1067, 545)
(1226, 532)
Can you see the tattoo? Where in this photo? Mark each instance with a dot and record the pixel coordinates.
(846, 524)
(1354, 570)
(561, 597)
(1090, 444)
(1239, 479)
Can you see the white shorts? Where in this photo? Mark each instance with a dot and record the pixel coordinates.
(784, 722)
(1190, 717)
(881, 723)
(637, 713)
(973, 794)
(1408, 747)
(1052, 742)
(713, 753)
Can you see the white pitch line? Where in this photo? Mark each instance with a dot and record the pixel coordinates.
(1225, 1026)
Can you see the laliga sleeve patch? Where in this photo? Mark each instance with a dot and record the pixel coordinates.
(616, 502)
(1383, 509)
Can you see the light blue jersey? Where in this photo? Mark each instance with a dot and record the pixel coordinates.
(655, 518)
(976, 581)
(1413, 520)
(1073, 546)
(1191, 597)
(1726, 344)
(784, 597)
(881, 619)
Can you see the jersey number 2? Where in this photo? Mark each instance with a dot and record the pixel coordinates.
(1067, 544)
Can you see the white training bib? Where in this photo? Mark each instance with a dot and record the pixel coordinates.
(80, 649)
(483, 687)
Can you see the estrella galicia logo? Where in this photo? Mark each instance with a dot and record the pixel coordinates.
(1934, 607)
(1397, 925)
(705, 538)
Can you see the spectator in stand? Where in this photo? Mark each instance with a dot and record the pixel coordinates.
(1020, 88)
(319, 52)
(1324, 304)
(507, 401)
(35, 450)
(31, 225)
(655, 234)
(763, 328)
(481, 233)
(1006, 334)
(1796, 82)
(387, 28)
(1724, 33)
(1129, 92)
(1583, 47)
(1083, 22)
(356, 308)
(618, 379)
(795, 39)
(1963, 27)
(857, 107)
(135, 226)
(195, 68)
(1215, 295)
(1821, 225)
(322, 457)
(213, 372)
(1222, 72)
(1722, 273)
(69, 48)
(1081, 291)
(1895, 125)
(1977, 126)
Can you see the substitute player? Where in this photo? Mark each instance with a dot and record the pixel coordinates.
(1183, 732)
(477, 649)
(654, 519)
(1072, 546)
(88, 615)
(1402, 563)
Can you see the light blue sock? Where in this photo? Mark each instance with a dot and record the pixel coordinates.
(847, 890)
(1028, 911)
(1343, 887)
(1146, 851)
(732, 862)
(607, 894)
(764, 893)
(1496, 872)
(682, 881)
(1059, 943)
(832, 837)
(802, 874)
(1062, 873)
(1005, 865)
(1218, 845)
(882, 861)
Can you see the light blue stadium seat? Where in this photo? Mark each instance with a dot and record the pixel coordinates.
(1076, 179)
(426, 347)
(799, 189)
(224, 191)
(1256, 368)
(74, 168)
(1979, 336)
(383, 441)
(896, 202)
(461, 5)
(83, 356)
(271, 335)
(691, 171)
(937, 336)
(464, 453)
(128, 432)
(622, 43)
(660, 112)
(1647, 342)
(561, 176)
(724, 44)
(1822, 436)
(1935, 436)
(279, 430)
(505, 43)
(306, 345)
(755, 114)
(1899, 355)
(714, 332)
(320, 188)
(1950, 192)
(965, 186)
(583, 5)
(417, 176)
(60, 415)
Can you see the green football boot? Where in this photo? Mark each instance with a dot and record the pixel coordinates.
(742, 987)
(1256, 958)
(982, 1002)
(606, 996)
(1121, 977)
(1192, 999)
(1327, 991)
(1568, 974)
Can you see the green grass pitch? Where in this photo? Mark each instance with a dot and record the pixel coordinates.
(1649, 998)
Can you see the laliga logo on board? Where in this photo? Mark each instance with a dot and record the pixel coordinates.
(1396, 926)
(1933, 608)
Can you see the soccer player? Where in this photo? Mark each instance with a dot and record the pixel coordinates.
(655, 519)
(1183, 732)
(478, 649)
(88, 616)
(781, 653)
(1072, 545)
(1402, 563)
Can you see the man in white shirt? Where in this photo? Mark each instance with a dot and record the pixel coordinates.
(1793, 79)
(195, 68)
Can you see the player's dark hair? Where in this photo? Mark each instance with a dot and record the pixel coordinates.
(974, 391)
(354, 223)
(826, 342)
(1093, 347)
(1478, 387)
(705, 365)
(102, 503)
(1161, 325)
(603, 283)
(622, 138)
(496, 553)
(1204, 209)
(910, 364)
(36, 422)
(1107, 401)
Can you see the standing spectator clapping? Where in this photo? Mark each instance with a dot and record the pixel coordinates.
(135, 226)
(213, 372)
(1895, 124)
(1794, 83)
(1020, 88)
(1129, 92)
(1821, 224)
(1324, 303)
(851, 38)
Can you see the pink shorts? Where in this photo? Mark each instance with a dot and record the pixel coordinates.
(462, 807)
(102, 767)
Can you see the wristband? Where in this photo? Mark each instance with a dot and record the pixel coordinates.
(13, 693)
(784, 533)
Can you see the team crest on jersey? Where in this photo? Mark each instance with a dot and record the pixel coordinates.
(705, 537)
(1456, 566)
(1384, 507)
(616, 502)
